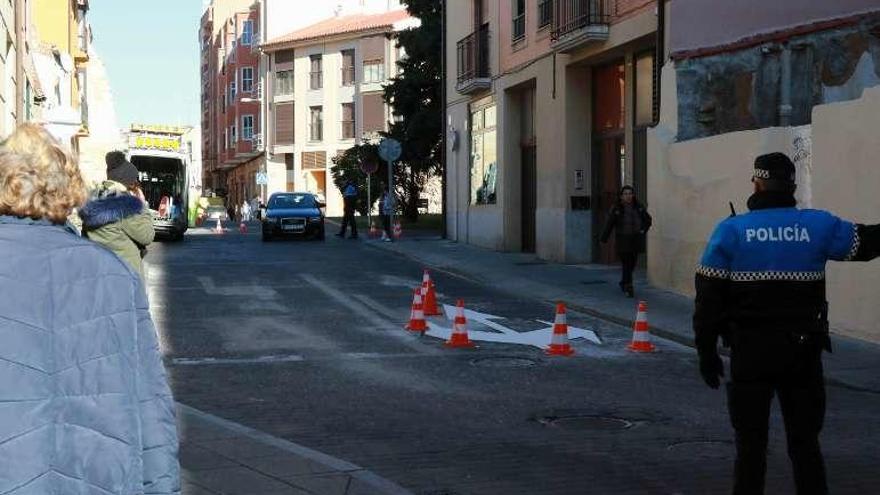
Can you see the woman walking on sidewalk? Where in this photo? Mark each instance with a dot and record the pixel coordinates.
(86, 405)
(630, 221)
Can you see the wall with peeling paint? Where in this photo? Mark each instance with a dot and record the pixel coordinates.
(743, 89)
(700, 24)
(691, 182)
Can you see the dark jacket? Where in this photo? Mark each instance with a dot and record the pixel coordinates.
(765, 271)
(627, 244)
(118, 221)
(86, 405)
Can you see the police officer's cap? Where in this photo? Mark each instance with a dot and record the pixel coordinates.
(776, 167)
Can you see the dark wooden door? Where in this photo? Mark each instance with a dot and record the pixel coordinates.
(529, 197)
(608, 161)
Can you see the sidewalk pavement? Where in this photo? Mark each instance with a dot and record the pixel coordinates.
(221, 457)
(593, 290)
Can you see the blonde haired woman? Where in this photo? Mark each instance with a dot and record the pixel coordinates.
(84, 402)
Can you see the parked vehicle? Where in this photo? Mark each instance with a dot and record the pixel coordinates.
(213, 213)
(293, 214)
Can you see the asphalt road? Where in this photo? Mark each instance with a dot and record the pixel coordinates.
(304, 340)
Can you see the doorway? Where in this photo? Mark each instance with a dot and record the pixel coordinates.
(609, 150)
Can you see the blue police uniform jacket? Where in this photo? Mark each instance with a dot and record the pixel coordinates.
(766, 270)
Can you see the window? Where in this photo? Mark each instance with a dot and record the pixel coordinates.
(288, 162)
(484, 169)
(348, 121)
(247, 127)
(247, 33)
(247, 79)
(519, 20)
(316, 75)
(284, 83)
(233, 134)
(230, 93)
(347, 67)
(316, 120)
(374, 71)
(545, 13)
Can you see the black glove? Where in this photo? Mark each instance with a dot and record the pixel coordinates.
(711, 369)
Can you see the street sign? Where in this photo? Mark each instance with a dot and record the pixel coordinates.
(262, 179)
(369, 167)
(389, 149)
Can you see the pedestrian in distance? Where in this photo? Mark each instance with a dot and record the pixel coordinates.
(386, 208)
(630, 222)
(245, 211)
(86, 405)
(761, 288)
(116, 216)
(349, 198)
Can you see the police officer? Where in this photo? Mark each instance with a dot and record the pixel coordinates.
(761, 287)
(349, 198)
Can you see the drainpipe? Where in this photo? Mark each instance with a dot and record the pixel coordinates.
(20, 79)
(659, 57)
(785, 89)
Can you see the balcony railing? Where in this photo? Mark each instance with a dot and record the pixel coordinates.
(579, 21)
(473, 61)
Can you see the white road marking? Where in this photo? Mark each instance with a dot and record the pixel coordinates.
(536, 338)
(257, 291)
(257, 360)
(366, 314)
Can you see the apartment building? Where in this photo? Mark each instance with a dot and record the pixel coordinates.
(20, 90)
(60, 49)
(230, 64)
(751, 77)
(548, 104)
(325, 92)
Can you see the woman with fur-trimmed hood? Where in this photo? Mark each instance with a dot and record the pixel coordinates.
(116, 216)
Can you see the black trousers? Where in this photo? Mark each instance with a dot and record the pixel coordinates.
(790, 367)
(628, 261)
(386, 223)
(348, 217)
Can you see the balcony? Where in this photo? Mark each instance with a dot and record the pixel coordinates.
(579, 22)
(473, 62)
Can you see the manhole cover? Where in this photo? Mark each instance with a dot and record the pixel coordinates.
(703, 449)
(504, 362)
(586, 422)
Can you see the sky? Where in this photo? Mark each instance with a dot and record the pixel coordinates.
(151, 52)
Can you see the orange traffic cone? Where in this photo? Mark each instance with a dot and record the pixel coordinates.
(242, 228)
(219, 228)
(429, 296)
(559, 345)
(417, 315)
(641, 341)
(459, 336)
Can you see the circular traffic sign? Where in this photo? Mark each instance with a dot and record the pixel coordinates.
(389, 149)
(369, 167)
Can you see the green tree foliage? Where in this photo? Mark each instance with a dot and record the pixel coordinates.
(416, 96)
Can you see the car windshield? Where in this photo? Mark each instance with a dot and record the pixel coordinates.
(292, 201)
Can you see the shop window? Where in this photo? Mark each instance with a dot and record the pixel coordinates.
(484, 167)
